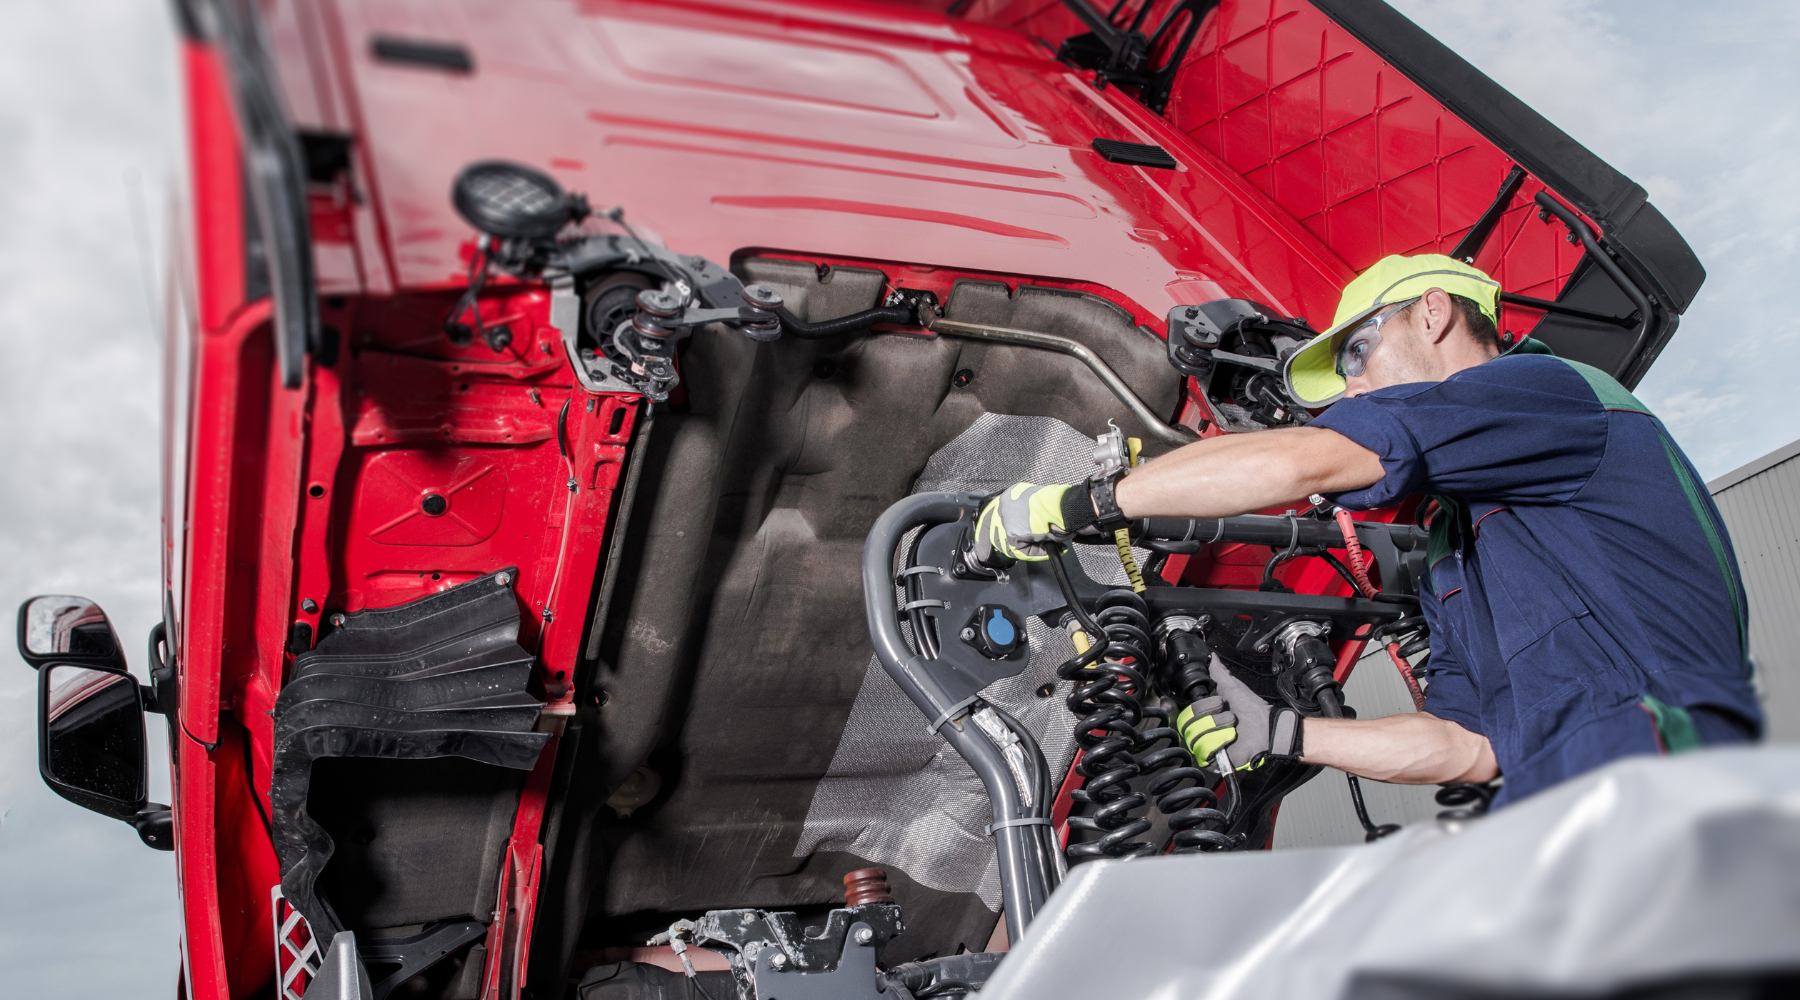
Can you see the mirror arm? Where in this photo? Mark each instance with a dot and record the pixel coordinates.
(163, 695)
(155, 826)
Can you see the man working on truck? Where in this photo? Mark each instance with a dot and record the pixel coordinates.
(1583, 599)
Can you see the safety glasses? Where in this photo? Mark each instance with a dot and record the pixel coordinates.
(1360, 343)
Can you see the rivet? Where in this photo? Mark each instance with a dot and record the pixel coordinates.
(338, 619)
(309, 606)
(503, 579)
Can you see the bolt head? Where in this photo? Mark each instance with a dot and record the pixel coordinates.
(778, 962)
(864, 935)
(503, 579)
(309, 605)
(968, 635)
(762, 295)
(338, 619)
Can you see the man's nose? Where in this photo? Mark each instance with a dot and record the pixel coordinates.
(1356, 385)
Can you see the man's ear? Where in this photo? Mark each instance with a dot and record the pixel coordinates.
(1438, 313)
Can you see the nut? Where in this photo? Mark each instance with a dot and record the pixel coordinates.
(864, 935)
(779, 961)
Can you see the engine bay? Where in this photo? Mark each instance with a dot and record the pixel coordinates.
(744, 788)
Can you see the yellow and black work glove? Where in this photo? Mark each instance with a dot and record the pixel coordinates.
(1238, 719)
(1014, 526)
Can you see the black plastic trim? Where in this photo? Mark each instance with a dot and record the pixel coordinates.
(1136, 154)
(451, 56)
(442, 676)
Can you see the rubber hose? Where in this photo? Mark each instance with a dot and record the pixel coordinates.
(843, 324)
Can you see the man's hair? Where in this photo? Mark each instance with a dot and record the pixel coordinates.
(1474, 320)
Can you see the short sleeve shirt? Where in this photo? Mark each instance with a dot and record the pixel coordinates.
(1580, 572)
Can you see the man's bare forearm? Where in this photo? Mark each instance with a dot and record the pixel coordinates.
(1235, 473)
(1418, 749)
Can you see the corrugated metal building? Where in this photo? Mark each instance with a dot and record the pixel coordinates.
(1761, 506)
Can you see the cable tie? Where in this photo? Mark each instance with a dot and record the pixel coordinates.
(1220, 533)
(916, 570)
(928, 602)
(1027, 821)
(951, 712)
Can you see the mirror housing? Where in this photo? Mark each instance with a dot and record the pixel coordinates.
(91, 746)
(67, 629)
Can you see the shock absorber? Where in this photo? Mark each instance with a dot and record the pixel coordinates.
(1181, 790)
(1109, 681)
(1307, 679)
(1308, 682)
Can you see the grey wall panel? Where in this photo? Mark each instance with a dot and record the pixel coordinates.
(1761, 507)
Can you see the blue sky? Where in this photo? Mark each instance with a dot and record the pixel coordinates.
(1694, 101)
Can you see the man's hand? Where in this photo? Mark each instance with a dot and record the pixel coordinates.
(1014, 525)
(1238, 719)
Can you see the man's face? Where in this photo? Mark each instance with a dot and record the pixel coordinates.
(1402, 354)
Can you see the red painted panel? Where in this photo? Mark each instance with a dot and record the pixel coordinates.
(1399, 173)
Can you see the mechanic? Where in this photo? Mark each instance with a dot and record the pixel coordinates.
(1583, 599)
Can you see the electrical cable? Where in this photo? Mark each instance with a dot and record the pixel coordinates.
(1412, 683)
(1354, 546)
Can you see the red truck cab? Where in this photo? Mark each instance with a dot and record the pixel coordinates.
(512, 540)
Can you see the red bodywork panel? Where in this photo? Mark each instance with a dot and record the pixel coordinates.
(885, 135)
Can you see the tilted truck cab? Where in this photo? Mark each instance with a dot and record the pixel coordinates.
(543, 368)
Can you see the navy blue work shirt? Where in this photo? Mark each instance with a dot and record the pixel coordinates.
(1584, 600)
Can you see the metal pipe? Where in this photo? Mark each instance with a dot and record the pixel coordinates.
(1605, 262)
(1014, 845)
(1075, 349)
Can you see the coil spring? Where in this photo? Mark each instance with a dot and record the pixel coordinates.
(1106, 696)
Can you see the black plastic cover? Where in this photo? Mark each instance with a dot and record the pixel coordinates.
(442, 676)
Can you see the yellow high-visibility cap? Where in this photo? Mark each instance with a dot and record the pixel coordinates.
(1311, 371)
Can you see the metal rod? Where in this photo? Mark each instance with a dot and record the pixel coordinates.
(640, 446)
(1546, 305)
(1478, 234)
(1075, 349)
(1605, 263)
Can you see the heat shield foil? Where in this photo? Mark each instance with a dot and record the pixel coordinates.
(896, 793)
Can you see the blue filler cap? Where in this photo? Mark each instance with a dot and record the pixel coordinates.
(996, 631)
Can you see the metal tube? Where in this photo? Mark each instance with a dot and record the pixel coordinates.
(1075, 349)
(915, 676)
(1606, 265)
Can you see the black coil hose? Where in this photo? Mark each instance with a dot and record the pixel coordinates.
(1106, 696)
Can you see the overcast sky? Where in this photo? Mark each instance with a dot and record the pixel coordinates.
(1696, 102)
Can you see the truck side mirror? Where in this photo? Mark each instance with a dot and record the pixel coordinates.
(91, 745)
(68, 630)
